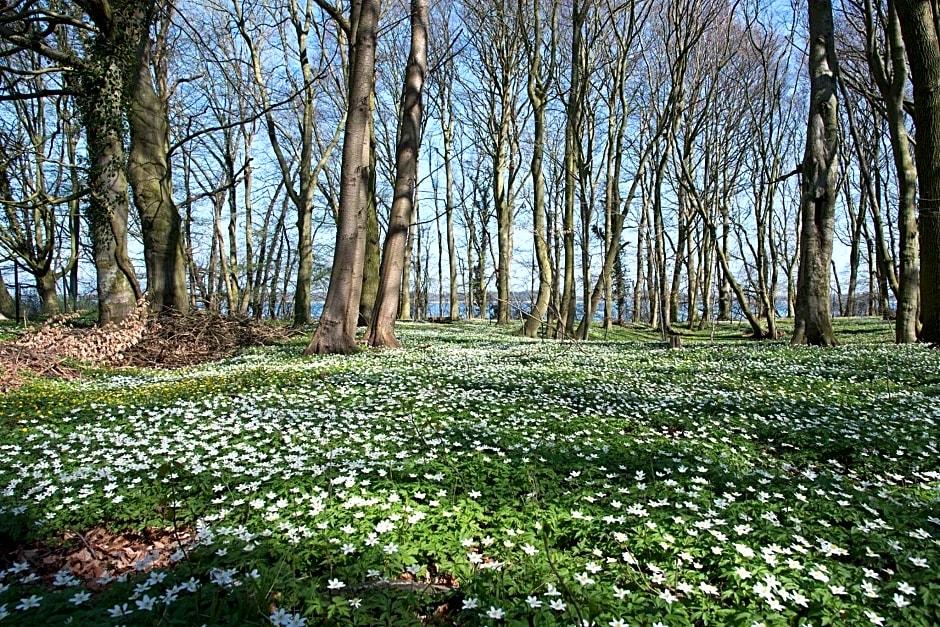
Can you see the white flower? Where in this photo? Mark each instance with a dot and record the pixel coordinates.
(470, 602)
(558, 605)
(146, 603)
(335, 584)
(919, 561)
(818, 575)
(80, 597)
(668, 597)
(119, 610)
(533, 601)
(744, 550)
(618, 622)
(874, 618)
(707, 588)
(906, 588)
(29, 603)
(900, 600)
(495, 613)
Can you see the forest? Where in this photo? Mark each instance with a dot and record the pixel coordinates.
(510, 312)
(550, 163)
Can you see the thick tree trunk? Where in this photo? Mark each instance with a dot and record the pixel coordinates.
(118, 290)
(7, 303)
(813, 324)
(918, 19)
(337, 328)
(150, 177)
(48, 294)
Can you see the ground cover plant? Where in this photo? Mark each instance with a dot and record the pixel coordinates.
(475, 478)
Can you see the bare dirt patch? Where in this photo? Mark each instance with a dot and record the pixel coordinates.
(97, 555)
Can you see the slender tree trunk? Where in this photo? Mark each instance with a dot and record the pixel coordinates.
(571, 161)
(813, 324)
(537, 89)
(381, 331)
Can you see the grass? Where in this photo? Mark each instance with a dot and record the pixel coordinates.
(476, 478)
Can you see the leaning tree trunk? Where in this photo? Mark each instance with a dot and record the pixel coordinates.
(919, 30)
(150, 176)
(382, 329)
(337, 327)
(813, 323)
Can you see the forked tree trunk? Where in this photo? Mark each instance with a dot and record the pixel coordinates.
(813, 324)
(150, 176)
(381, 331)
(337, 328)
(918, 20)
(537, 89)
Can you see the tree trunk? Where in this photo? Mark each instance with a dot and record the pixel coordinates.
(150, 176)
(918, 21)
(537, 89)
(101, 106)
(337, 328)
(7, 303)
(813, 324)
(48, 295)
(381, 331)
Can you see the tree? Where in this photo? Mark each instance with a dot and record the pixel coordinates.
(336, 332)
(539, 82)
(149, 171)
(813, 323)
(919, 29)
(301, 20)
(382, 327)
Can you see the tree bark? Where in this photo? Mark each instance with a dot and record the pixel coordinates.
(150, 177)
(918, 20)
(537, 89)
(336, 332)
(813, 323)
(7, 303)
(381, 331)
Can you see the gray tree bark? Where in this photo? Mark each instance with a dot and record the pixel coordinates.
(919, 28)
(381, 331)
(336, 332)
(813, 323)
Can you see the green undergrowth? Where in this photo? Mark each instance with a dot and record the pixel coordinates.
(477, 478)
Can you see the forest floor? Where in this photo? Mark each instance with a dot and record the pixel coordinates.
(478, 478)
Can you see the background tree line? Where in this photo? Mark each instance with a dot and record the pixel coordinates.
(666, 162)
